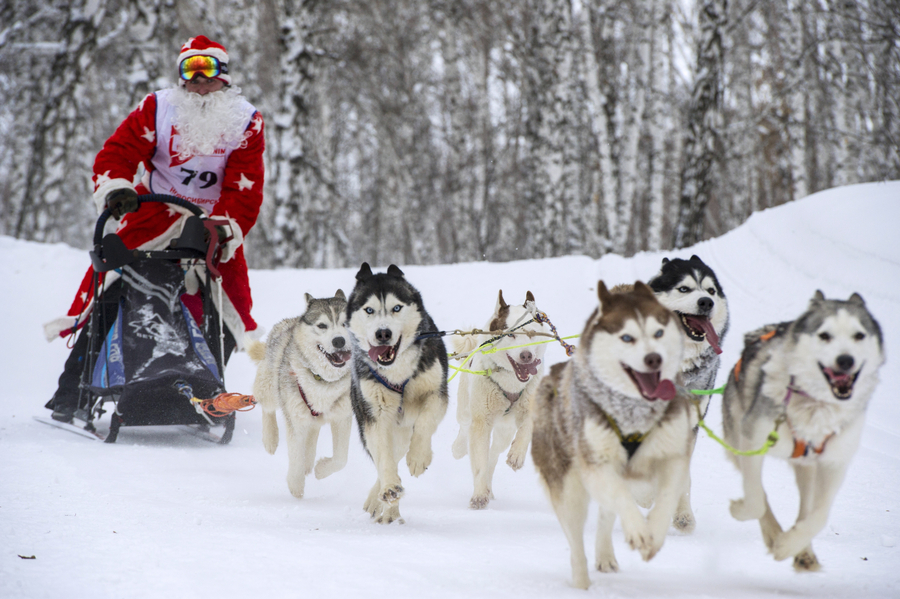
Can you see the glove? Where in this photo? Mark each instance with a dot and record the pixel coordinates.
(121, 201)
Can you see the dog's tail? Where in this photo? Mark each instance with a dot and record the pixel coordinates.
(464, 344)
(256, 350)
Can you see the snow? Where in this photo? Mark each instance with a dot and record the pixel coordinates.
(161, 513)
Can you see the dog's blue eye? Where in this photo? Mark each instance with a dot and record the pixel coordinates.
(370, 311)
(859, 336)
(397, 308)
(683, 289)
(825, 337)
(658, 334)
(627, 338)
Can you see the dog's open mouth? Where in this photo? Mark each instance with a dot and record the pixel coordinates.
(650, 385)
(384, 355)
(699, 328)
(338, 359)
(524, 371)
(841, 382)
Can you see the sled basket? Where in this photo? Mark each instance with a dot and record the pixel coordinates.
(162, 347)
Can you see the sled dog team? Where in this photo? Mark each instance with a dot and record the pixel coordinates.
(616, 424)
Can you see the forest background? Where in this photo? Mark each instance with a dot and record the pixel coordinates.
(443, 131)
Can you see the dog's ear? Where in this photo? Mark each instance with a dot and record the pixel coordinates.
(394, 271)
(857, 299)
(309, 299)
(695, 258)
(528, 297)
(603, 293)
(501, 303)
(641, 288)
(340, 295)
(818, 296)
(365, 272)
(665, 261)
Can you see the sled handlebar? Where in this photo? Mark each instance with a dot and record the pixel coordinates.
(157, 198)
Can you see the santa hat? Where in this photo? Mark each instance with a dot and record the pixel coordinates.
(203, 46)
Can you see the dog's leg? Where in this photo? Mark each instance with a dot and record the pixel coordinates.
(311, 438)
(753, 505)
(818, 488)
(479, 456)
(373, 505)
(519, 449)
(340, 447)
(434, 407)
(380, 441)
(463, 417)
(673, 479)
(269, 430)
(605, 557)
(605, 484)
(297, 458)
(684, 515)
(571, 504)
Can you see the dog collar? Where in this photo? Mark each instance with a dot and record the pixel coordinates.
(387, 383)
(801, 447)
(303, 395)
(632, 441)
(511, 397)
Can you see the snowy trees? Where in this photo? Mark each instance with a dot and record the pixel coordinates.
(430, 131)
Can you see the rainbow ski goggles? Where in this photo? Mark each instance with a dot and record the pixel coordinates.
(208, 66)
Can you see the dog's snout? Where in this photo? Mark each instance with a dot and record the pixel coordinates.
(844, 362)
(705, 304)
(653, 361)
(338, 342)
(383, 336)
(526, 357)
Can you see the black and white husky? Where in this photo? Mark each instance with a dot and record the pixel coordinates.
(303, 370)
(692, 291)
(611, 425)
(810, 380)
(493, 410)
(399, 385)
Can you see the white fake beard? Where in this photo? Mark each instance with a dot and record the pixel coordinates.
(207, 122)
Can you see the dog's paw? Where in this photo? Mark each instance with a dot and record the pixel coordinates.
(296, 486)
(389, 514)
(743, 510)
(325, 467)
(391, 493)
(480, 501)
(684, 522)
(460, 447)
(419, 461)
(607, 564)
(790, 544)
(515, 460)
(581, 581)
(639, 538)
(806, 561)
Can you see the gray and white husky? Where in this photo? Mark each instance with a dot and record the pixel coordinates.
(493, 409)
(691, 289)
(611, 425)
(399, 385)
(810, 380)
(303, 370)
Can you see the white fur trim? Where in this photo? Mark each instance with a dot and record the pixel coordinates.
(53, 328)
(232, 246)
(104, 190)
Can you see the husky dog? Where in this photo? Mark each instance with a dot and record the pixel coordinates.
(691, 290)
(610, 425)
(399, 386)
(302, 369)
(498, 405)
(810, 380)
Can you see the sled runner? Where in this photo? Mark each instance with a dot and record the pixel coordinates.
(156, 351)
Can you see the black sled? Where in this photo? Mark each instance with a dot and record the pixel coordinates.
(162, 352)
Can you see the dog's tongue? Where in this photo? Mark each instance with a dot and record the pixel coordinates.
(704, 324)
(837, 377)
(531, 367)
(341, 356)
(654, 388)
(378, 351)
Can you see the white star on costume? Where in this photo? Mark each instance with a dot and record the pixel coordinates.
(140, 106)
(100, 180)
(257, 123)
(245, 183)
(149, 135)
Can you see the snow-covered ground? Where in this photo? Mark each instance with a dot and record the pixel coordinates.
(164, 514)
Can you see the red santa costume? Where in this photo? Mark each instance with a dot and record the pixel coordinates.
(224, 178)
